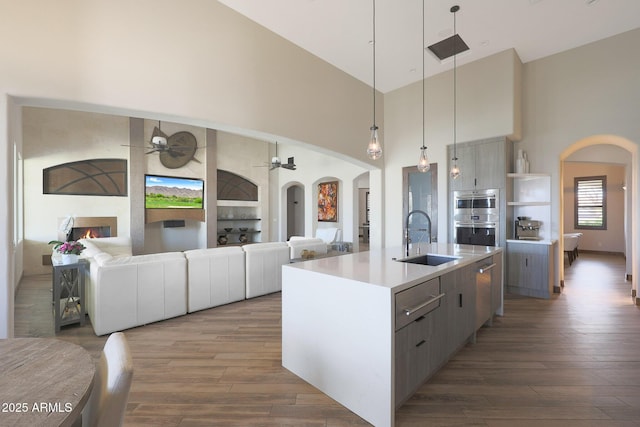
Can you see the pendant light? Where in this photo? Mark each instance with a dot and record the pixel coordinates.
(374, 149)
(455, 170)
(423, 161)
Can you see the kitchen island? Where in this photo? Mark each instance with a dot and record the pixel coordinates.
(368, 329)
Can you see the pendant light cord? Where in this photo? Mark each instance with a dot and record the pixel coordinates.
(422, 46)
(455, 80)
(374, 64)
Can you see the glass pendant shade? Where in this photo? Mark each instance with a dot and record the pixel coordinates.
(374, 149)
(455, 170)
(423, 162)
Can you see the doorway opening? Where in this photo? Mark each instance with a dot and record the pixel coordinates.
(600, 151)
(295, 211)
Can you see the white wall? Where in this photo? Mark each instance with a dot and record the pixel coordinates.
(312, 168)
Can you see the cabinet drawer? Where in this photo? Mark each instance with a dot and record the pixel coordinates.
(417, 301)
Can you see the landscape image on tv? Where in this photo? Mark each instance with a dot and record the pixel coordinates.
(166, 192)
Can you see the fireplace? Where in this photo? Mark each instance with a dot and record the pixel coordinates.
(89, 232)
(85, 227)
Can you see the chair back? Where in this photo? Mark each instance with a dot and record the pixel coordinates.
(111, 385)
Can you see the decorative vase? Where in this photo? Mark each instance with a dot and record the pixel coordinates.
(69, 258)
(243, 238)
(222, 240)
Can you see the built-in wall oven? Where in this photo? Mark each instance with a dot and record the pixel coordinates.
(476, 217)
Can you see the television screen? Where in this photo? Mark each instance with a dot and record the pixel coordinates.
(168, 192)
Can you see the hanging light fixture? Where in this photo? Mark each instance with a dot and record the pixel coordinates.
(455, 170)
(374, 149)
(423, 161)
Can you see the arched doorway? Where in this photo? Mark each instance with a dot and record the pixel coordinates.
(295, 210)
(632, 199)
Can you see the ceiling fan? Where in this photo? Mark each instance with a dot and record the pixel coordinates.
(277, 163)
(176, 150)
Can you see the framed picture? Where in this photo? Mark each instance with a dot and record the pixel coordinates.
(328, 201)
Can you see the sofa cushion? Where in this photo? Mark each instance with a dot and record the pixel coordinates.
(297, 246)
(266, 246)
(140, 259)
(329, 234)
(194, 253)
(90, 250)
(116, 246)
(102, 258)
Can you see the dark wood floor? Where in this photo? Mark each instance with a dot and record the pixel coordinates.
(572, 361)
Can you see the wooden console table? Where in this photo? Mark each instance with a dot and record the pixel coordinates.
(43, 381)
(68, 293)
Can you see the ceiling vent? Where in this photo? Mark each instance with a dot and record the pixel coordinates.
(448, 47)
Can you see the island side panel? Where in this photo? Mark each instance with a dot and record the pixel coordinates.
(337, 334)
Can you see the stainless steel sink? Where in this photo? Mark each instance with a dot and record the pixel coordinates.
(429, 259)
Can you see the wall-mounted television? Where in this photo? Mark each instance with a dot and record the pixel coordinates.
(170, 192)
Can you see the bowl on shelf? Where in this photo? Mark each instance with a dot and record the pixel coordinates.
(243, 228)
(228, 229)
(524, 218)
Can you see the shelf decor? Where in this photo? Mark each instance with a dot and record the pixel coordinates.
(69, 251)
(328, 201)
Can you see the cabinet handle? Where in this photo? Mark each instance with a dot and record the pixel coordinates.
(460, 300)
(526, 262)
(420, 343)
(434, 298)
(486, 268)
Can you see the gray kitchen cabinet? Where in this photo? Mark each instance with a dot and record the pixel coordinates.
(497, 285)
(483, 164)
(414, 345)
(484, 270)
(530, 268)
(418, 338)
(459, 304)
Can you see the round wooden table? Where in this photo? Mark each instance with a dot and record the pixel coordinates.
(43, 381)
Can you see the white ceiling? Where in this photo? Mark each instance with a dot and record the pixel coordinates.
(340, 31)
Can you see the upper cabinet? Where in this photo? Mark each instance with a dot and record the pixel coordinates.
(483, 164)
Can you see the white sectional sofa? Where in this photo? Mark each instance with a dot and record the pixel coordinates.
(263, 262)
(297, 244)
(216, 277)
(125, 291)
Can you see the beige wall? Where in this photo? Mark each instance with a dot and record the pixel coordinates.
(227, 73)
(224, 73)
(487, 106)
(613, 238)
(53, 137)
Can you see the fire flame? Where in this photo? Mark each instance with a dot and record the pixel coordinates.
(90, 234)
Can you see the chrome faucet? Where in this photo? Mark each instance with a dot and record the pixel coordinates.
(406, 229)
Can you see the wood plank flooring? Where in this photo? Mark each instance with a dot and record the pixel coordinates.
(572, 361)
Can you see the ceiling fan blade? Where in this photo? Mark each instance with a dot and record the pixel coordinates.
(290, 164)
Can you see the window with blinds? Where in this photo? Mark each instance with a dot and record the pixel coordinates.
(591, 202)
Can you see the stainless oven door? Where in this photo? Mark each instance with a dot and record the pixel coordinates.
(476, 200)
(476, 233)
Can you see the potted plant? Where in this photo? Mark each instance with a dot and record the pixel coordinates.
(69, 250)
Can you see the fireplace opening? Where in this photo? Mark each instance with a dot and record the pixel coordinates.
(89, 232)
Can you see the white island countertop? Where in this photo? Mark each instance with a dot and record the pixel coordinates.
(378, 267)
(338, 320)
